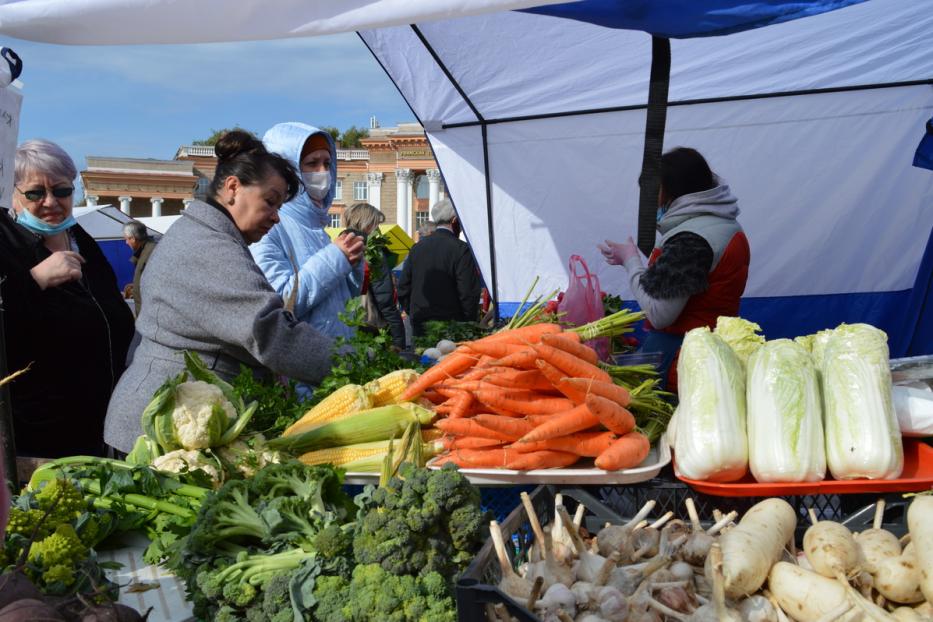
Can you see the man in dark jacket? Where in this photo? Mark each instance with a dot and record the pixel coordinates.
(142, 244)
(440, 280)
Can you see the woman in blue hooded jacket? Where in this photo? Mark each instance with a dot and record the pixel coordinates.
(315, 276)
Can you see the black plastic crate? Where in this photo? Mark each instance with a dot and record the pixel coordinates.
(613, 504)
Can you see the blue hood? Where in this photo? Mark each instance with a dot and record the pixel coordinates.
(287, 140)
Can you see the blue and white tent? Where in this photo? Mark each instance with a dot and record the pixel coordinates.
(537, 119)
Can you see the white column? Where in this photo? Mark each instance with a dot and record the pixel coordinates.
(434, 187)
(186, 203)
(91, 200)
(403, 178)
(156, 206)
(375, 189)
(125, 204)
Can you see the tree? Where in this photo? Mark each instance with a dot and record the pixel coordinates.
(211, 140)
(333, 131)
(350, 139)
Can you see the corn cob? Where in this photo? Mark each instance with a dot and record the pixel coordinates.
(347, 400)
(361, 457)
(387, 389)
(376, 424)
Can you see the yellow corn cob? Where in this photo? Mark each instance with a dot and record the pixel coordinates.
(346, 400)
(361, 457)
(389, 388)
(375, 424)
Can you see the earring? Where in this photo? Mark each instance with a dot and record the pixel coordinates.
(230, 201)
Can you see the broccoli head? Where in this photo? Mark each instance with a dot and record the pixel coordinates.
(374, 594)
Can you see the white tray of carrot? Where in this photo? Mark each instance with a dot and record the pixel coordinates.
(583, 473)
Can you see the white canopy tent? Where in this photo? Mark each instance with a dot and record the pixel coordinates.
(812, 122)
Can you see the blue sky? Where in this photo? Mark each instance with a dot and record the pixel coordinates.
(145, 101)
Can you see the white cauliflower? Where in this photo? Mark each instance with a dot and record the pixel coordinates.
(198, 422)
(185, 460)
(248, 455)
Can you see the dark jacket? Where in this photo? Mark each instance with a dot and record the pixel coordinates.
(141, 260)
(383, 294)
(440, 281)
(75, 336)
(203, 292)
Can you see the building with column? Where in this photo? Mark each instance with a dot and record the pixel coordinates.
(394, 170)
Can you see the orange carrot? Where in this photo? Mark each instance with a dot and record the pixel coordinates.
(513, 427)
(524, 402)
(616, 418)
(525, 334)
(497, 349)
(471, 442)
(434, 397)
(561, 424)
(468, 427)
(501, 411)
(456, 363)
(608, 390)
(545, 459)
(556, 377)
(571, 365)
(589, 444)
(519, 360)
(627, 452)
(536, 420)
(567, 344)
(448, 391)
(530, 379)
(496, 457)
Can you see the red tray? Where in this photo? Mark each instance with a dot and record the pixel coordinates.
(916, 477)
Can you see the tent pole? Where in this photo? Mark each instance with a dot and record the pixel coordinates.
(489, 224)
(655, 119)
(7, 443)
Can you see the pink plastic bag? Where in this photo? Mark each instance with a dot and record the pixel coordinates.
(583, 301)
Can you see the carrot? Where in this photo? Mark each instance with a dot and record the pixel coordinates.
(513, 427)
(542, 460)
(571, 365)
(531, 379)
(497, 349)
(589, 444)
(567, 344)
(519, 360)
(456, 363)
(556, 377)
(468, 427)
(448, 391)
(434, 397)
(504, 412)
(616, 418)
(561, 424)
(471, 442)
(480, 458)
(525, 334)
(608, 390)
(627, 452)
(524, 402)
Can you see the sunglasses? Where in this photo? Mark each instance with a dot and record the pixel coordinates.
(38, 195)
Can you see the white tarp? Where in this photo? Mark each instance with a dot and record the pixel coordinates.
(95, 22)
(11, 100)
(829, 199)
(105, 222)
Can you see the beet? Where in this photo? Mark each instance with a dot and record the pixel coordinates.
(29, 610)
(114, 612)
(14, 585)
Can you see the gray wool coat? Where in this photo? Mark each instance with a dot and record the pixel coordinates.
(203, 292)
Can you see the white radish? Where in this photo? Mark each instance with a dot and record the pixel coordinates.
(512, 584)
(876, 544)
(920, 524)
(831, 549)
(810, 597)
(906, 614)
(898, 578)
(754, 545)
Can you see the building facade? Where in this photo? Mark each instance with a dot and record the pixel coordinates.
(394, 170)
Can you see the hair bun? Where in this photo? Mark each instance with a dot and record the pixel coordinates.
(237, 142)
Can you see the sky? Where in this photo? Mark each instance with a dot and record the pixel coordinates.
(146, 101)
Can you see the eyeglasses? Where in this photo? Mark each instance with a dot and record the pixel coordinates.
(39, 194)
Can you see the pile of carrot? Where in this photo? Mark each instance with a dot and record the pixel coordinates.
(530, 398)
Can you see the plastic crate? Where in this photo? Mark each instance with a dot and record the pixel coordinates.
(477, 586)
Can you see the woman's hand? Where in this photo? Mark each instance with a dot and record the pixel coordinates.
(617, 253)
(352, 246)
(61, 267)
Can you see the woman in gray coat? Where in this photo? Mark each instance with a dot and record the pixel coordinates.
(203, 292)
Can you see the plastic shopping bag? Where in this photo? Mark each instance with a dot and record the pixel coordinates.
(583, 302)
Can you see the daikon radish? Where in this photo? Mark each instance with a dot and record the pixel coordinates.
(754, 545)
(920, 523)
(877, 544)
(804, 595)
(898, 578)
(831, 549)
(906, 614)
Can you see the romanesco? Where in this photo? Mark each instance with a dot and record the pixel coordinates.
(23, 522)
(62, 500)
(62, 548)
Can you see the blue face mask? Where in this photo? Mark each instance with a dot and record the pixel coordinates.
(39, 226)
(661, 211)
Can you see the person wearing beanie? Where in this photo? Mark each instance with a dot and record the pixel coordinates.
(314, 275)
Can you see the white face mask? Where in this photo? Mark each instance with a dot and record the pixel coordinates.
(317, 184)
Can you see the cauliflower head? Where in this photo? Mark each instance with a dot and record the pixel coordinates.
(201, 414)
(184, 460)
(248, 454)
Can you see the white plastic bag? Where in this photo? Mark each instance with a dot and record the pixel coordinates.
(913, 406)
